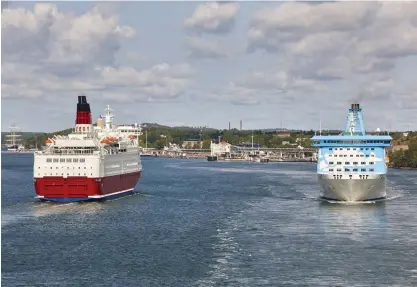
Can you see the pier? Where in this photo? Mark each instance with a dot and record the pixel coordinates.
(236, 153)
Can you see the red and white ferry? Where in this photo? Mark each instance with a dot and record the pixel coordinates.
(93, 163)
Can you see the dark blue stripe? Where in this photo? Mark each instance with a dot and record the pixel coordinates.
(378, 198)
(70, 199)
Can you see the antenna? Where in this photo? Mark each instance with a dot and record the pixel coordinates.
(252, 139)
(320, 123)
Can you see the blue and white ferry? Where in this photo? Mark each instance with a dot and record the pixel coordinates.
(352, 166)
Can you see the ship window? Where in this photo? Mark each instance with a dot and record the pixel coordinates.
(367, 148)
(371, 169)
(62, 160)
(330, 155)
(371, 162)
(361, 148)
(355, 162)
(69, 160)
(355, 169)
(55, 160)
(347, 162)
(357, 155)
(75, 160)
(330, 148)
(346, 169)
(367, 155)
(339, 162)
(51, 167)
(372, 155)
(348, 148)
(372, 148)
(354, 148)
(49, 160)
(361, 155)
(82, 159)
(330, 162)
(350, 176)
(363, 162)
(363, 169)
(339, 169)
(351, 155)
(330, 169)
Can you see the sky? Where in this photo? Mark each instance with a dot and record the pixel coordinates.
(210, 63)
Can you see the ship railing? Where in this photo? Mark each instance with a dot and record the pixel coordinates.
(62, 151)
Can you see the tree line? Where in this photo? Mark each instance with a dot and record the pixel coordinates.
(158, 136)
(405, 158)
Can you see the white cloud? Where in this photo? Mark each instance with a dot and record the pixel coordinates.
(201, 49)
(49, 54)
(360, 36)
(47, 35)
(270, 86)
(213, 17)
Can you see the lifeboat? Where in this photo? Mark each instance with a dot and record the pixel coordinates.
(105, 141)
(132, 137)
(108, 140)
(49, 141)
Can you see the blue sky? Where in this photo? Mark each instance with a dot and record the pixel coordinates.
(208, 63)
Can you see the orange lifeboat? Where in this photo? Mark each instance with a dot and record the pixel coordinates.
(108, 140)
(49, 141)
(105, 141)
(132, 137)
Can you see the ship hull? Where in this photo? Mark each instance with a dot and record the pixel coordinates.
(81, 188)
(353, 189)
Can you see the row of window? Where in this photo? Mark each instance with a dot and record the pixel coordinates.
(340, 148)
(82, 129)
(345, 155)
(65, 160)
(355, 169)
(354, 163)
(61, 174)
(67, 167)
(352, 142)
(339, 176)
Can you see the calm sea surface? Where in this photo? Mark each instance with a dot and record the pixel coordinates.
(199, 223)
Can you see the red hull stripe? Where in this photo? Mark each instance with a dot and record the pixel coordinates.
(84, 187)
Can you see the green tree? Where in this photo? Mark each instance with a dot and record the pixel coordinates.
(206, 144)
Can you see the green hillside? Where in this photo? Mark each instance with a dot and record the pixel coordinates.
(159, 135)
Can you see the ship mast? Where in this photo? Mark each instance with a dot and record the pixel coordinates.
(13, 138)
(108, 117)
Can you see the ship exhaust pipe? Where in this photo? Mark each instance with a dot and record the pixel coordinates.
(83, 111)
(355, 107)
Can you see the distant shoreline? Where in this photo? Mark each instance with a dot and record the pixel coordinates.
(404, 168)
